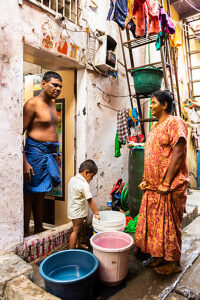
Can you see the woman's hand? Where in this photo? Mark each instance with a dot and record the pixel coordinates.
(143, 185)
(164, 189)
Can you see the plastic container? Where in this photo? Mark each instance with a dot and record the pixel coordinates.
(147, 80)
(113, 251)
(109, 203)
(69, 274)
(135, 173)
(109, 221)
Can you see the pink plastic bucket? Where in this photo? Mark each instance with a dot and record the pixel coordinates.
(112, 250)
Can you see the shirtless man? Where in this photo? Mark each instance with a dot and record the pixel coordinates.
(41, 170)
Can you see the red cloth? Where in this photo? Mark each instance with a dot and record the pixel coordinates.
(142, 9)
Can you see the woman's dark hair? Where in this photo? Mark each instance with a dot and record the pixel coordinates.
(50, 74)
(90, 165)
(162, 97)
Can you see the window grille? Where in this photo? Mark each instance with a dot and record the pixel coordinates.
(70, 9)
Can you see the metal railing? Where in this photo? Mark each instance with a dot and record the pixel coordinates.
(69, 9)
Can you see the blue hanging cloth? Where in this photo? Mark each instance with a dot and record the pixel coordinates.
(118, 13)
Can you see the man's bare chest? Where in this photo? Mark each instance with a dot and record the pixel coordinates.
(46, 115)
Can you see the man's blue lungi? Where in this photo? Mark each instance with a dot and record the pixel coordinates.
(42, 158)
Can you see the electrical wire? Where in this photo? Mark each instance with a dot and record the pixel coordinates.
(117, 96)
(192, 5)
(183, 24)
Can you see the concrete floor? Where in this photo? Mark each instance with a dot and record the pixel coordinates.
(145, 283)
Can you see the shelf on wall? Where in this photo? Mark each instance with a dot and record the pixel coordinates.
(138, 42)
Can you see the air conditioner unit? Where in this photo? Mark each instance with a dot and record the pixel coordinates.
(106, 54)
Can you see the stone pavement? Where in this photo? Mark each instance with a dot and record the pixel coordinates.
(141, 283)
(145, 283)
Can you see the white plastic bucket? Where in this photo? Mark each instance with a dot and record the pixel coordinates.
(113, 251)
(109, 221)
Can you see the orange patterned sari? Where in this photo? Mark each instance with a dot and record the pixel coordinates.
(158, 229)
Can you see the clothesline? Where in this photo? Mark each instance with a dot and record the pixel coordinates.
(184, 25)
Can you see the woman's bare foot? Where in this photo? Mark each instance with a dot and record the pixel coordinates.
(168, 269)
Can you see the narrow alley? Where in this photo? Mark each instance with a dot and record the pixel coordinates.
(100, 149)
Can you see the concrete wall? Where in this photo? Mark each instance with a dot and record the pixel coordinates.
(11, 84)
(96, 125)
(18, 25)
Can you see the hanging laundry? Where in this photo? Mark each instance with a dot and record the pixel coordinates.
(143, 9)
(133, 117)
(167, 26)
(121, 12)
(175, 38)
(153, 12)
(158, 40)
(118, 146)
(122, 125)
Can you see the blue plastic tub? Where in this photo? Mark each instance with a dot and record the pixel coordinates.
(69, 274)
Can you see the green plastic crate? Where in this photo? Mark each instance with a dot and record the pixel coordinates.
(147, 80)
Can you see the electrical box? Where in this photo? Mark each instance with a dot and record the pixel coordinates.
(106, 54)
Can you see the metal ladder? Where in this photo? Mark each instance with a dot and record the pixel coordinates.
(165, 64)
(189, 53)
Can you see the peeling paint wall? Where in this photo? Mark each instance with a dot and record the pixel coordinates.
(18, 25)
(98, 126)
(11, 80)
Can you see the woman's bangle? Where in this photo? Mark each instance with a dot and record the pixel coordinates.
(166, 185)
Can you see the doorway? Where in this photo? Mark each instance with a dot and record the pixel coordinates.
(55, 202)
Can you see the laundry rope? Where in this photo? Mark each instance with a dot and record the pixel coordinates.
(192, 5)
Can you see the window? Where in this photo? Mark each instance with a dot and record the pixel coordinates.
(70, 9)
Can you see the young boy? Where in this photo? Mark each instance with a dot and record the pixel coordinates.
(79, 196)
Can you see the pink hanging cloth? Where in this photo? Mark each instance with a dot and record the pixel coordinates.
(143, 9)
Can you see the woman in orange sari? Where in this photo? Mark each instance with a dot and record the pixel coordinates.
(164, 183)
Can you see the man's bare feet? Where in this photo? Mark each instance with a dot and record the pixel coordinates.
(168, 269)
